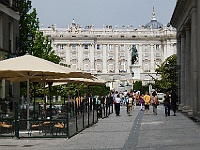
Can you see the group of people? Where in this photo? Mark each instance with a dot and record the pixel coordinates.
(145, 101)
(170, 103)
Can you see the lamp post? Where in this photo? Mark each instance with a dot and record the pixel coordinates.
(34, 93)
(29, 38)
(133, 80)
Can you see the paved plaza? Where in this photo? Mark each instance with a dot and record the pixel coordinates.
(136, 132)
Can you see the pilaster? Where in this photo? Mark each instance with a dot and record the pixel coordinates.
(104, 58)
(116, 58)
(152, 58)
(67, 54)
(80, 56)
(140, 54)
(92, 49)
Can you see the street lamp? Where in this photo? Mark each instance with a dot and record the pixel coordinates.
(34, 93)
(133, 80)
(29, 37)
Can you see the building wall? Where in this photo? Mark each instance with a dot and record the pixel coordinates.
(186, 19)
(9, 34)
(107, 52)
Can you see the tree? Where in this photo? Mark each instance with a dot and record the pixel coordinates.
(138, 86)
(168, 73)
(39, 45)
(28, 25)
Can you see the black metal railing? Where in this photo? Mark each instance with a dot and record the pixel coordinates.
(74, 117)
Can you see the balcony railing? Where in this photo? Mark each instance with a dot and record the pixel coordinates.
(5, 2)
(13, 4)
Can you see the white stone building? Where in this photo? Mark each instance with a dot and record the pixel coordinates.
(107, 52)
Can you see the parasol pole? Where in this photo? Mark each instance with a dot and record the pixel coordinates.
(28, 103)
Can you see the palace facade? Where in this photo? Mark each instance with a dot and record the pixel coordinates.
(120, 55)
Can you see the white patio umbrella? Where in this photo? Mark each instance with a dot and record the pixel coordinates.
(27, 67)
(61, 81)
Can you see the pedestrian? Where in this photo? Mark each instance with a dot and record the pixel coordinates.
(130, 104)
(137, 98)
(121, 95)
(142, 102)
(167, 104)
(117, 105)
(174, 99)
(126, 101)
(114, 97)
(147, 100)
(154, 102)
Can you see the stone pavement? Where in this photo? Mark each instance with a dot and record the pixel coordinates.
(136, 132)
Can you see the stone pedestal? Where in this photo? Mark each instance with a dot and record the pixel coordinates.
(180, 107)
(198, 113)
(190, 112)
(186, 108)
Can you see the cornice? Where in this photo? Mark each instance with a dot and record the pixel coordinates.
(182, 12)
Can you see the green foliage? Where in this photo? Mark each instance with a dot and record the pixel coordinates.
(138, 86)
(168, 72)
(100, 90)
(42, 48)
(28, 25)
(39, 45)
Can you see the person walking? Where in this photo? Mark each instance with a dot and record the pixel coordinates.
(142, 102)
(154, 102)
(126, 101)
(174, 99)
(167, 103)
(147, 100)
(130, 104)
(117, 105)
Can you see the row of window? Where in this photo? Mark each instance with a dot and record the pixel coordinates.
(110, 47)
(111, 55)
(110, 68)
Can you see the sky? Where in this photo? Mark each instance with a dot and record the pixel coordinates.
(102, 12)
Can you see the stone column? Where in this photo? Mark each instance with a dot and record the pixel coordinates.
(182, 71)
(140, 54)
(187, 77)
(67, 54)
(92, 49)
(169, 49)
(194, 52)
(179, 64)
(116, 48)
(165, 50)
(128, 55)
(104, 47)
(80, 56)
(152, 59)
